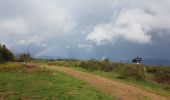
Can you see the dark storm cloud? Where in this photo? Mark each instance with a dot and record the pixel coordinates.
(86, 29)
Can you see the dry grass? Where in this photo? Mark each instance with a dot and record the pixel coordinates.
(22, 67)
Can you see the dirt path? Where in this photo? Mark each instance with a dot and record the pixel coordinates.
(117, 89)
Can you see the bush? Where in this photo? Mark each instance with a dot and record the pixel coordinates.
(163, 76)
(23, 57)
(125, 71)
(152, 70)
(89, 65)
(132, 72)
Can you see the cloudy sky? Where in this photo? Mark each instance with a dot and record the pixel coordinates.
(118, 29)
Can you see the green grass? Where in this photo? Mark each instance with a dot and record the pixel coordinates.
(148, 85)
(18, 85)
(115, 74)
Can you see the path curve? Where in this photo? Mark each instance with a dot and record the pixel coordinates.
(120, 91)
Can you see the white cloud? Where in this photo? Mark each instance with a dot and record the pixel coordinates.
(43, 45)
(85, 46)
(33, 23)
(54, 19)
(13, 26)
(67, 46)
(30, 40)
(34, 40)
(133, 22)
(35, 16)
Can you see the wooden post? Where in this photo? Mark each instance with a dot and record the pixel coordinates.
(144, 72)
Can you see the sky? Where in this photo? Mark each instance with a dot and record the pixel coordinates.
(86, 29)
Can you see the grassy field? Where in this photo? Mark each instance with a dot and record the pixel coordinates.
(146, 84)
(32, 83)
(130, 74)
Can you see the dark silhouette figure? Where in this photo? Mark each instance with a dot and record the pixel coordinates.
(136, 60)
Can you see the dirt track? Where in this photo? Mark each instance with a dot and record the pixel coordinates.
(117, 89)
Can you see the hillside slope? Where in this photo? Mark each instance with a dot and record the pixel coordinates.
(117, 89)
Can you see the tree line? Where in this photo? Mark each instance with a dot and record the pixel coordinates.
(7, 55)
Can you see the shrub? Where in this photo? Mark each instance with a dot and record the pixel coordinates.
(132, 72)
(24, 57)
(163, 76)
(124, 70)
(88, 65)
(152, 69)
(107, 66)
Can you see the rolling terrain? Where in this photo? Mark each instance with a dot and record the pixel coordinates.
(120, 91)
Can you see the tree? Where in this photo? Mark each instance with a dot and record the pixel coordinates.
(24, 57)
(106, 60)
(1, 59)
(5, 54)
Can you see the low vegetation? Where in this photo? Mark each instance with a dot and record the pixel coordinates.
(155, 78)
(6, 55)
(21, 81)
(23, 57)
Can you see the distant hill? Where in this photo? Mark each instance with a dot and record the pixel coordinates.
(50, 57)
(156, 62)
